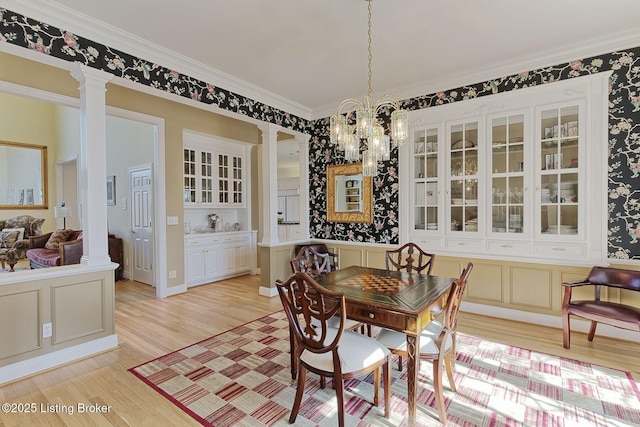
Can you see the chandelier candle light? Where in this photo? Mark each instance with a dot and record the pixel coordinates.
(367, 126)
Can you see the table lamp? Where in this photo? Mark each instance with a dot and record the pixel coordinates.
(62, 212)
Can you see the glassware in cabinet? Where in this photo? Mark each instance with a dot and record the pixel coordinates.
(463, 173)
(426, 178)
(507, 174)
(559, 174)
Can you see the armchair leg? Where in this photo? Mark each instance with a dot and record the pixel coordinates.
(566, 333)
(11, 265)
(592, 330)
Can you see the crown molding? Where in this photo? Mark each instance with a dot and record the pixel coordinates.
(85, 26)
(562, 54)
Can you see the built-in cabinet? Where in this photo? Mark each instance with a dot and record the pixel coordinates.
(520, 175)
(215, 256)
(214, 172)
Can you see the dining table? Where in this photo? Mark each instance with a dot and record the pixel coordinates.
(397, 300)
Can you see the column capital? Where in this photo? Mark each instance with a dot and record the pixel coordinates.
(87, 75)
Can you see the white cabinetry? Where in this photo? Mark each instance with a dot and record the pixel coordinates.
(236, 253)
(201, 261)
(215, 256)
(214, 171)
(517, 175)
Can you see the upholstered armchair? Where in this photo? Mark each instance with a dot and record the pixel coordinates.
(14, 238)
(61, 247)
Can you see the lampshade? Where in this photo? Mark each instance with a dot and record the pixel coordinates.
(61, 211)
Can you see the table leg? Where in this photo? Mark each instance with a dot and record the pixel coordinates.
(413, 363)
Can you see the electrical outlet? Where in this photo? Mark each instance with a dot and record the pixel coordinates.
(172, 274)
(47, 330)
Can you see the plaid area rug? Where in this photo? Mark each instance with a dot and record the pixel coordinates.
(242, 378)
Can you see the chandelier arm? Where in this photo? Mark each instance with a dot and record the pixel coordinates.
(353, 103)
(387, 100)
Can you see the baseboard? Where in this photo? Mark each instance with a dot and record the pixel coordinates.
(175, 290)
(57, 358)
(268, 292)
(577, 325)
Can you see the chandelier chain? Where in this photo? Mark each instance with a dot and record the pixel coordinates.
(369, 49)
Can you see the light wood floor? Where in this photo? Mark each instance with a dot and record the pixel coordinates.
(148, 328)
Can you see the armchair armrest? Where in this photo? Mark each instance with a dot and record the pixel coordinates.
(577, 283)
(38, 241)
(70, 252)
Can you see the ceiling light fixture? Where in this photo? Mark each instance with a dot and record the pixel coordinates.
(367, 125)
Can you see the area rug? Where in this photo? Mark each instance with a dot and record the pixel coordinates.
(242, 377)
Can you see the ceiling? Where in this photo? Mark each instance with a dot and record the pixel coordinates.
(305, 56)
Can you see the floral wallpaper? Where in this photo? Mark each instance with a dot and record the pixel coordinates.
(624, 153)
(46, 39)
(624, 125)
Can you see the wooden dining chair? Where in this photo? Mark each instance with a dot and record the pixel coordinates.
(309, 261)
(409, 257)
(314, 263)
(437, 341)
(329, 352)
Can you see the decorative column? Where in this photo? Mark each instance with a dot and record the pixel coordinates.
(93, 166)
(269, 183)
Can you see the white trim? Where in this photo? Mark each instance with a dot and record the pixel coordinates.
(267, 292)
(99, 32)
(60, 357)
(577, 325)
(174, 290)
(158, 169)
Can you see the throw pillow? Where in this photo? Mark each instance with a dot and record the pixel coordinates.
(35, 228)
(56, 238)
(8, 238)
(19, 230)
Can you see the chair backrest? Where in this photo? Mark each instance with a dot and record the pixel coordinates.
(409, 257)
(320, 248)
(308, 307)
(455, 299)
(311, 262)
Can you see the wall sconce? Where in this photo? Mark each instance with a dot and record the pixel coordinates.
(62, 212)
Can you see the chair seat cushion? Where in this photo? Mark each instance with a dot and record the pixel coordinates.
(356, 352)
(610, 312)
(394, 340)
(44, 256)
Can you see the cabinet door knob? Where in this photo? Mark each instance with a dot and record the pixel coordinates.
(558, 249)
(371, 315)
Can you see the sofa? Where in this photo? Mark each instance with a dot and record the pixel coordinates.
(14, 238)
(60, 247)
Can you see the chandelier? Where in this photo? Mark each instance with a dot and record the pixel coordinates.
(368, 127)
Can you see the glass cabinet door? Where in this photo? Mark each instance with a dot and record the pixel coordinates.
(189, 173)
(206, 177)
(559, 154)
(237, 179)
(463, 171)
(230, 179)
(507, 174)
(425, 178)
(223, 178)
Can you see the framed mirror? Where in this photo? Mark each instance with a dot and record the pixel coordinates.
(349, 194)
(23, 176)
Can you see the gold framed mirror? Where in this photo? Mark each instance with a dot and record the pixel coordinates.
(349, 194)
(23, 176)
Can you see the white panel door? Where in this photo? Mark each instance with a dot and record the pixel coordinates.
(140, 182)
